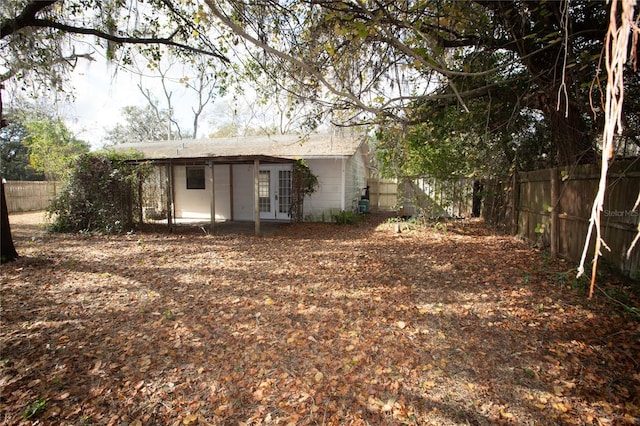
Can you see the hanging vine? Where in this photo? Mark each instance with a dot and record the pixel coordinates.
(616, 53)
(304, 183)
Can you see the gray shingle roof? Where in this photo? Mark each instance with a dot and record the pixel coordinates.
(280, 146)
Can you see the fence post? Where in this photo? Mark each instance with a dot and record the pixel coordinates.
(515, 200)
(140, 198)
(553, 218)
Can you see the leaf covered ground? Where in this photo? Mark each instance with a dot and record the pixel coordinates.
(317, 324)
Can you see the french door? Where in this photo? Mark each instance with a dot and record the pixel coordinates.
(274, 191)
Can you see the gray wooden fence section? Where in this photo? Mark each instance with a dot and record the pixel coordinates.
(383, 194)
(433, 198)
(24, 196)
(554, 207)
(422, 195)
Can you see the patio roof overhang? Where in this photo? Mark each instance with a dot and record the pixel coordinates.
(256, 160)
(227, 159)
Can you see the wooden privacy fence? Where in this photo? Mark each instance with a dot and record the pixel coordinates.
(383, 194)
(553, 208)
(25, 196)
(423, 195)
(432, 198)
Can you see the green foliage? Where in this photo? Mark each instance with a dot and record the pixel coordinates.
(52, 147)
(304, 184)
(448, 143)
(34, 408)
(346, 217)
(540, 228)
(581, 284)
(419, 150)
(36, 143)
(14, 154)
(307, 180)
(101, 195)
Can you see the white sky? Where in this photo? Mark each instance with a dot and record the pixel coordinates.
(101, 91)
(98, 100)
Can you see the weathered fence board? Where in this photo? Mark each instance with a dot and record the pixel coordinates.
(25, 196)
(383, 194)
(422, 195)
(571, 206)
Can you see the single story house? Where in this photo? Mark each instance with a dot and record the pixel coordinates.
(250, 178)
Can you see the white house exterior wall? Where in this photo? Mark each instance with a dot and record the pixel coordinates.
(341, 181)
(243, 192)
(329, 197)
(222, 182)
(356, 177)
(196, 203)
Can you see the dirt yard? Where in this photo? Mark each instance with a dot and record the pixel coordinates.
(318, 324)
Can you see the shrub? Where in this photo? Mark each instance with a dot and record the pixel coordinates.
(101, 195)
(345, 217)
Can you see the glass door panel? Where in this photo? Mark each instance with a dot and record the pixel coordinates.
(264, 191)
(284, 192)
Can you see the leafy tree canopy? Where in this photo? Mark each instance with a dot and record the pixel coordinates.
(40, 38)
(401, 61)
(389, 63)
(52, 147)
(14, 154)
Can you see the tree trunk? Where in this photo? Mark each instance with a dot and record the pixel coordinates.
(7, 249)
(476, 205)
(570, 135)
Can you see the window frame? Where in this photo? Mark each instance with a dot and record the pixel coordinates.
(196, 182)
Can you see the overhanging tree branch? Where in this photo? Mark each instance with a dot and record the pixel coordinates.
(25, 18)
(70, 60)
(616, 54)
(166, 41)
(293, 60)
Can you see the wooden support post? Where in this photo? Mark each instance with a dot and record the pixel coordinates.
(231, 191)
(213, 198)
(170, 196)
(256, 196)
(515, 200)
(140, 199)
(553, 213)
